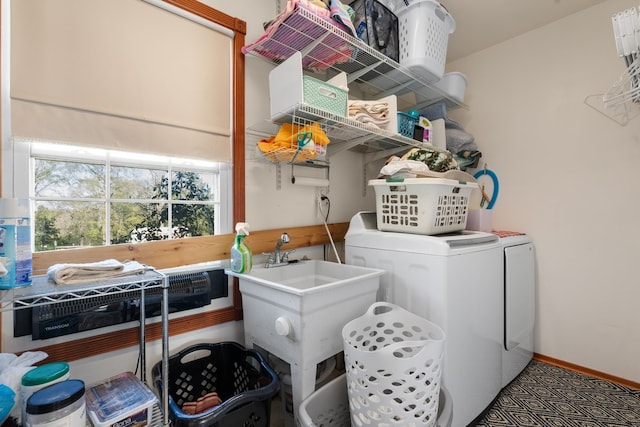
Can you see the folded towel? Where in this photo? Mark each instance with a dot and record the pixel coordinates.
(365, 118)
(377, 110)
(73, 274)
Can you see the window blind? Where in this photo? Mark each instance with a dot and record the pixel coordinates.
(120, 74)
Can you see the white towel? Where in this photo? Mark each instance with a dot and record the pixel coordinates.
(73, 274)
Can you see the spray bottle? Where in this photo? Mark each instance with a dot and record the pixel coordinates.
(241, 256)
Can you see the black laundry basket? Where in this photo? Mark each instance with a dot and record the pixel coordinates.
(242, 379)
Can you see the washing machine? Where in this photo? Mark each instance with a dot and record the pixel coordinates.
(519, 304)
(454, 280)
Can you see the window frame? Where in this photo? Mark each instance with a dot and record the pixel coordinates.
(161, 254)
(24, 167)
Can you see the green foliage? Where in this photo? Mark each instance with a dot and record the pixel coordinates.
(73, 214)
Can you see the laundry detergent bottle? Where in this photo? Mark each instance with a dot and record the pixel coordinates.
(241, 256)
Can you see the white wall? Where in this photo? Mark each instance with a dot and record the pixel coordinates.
(569, 178)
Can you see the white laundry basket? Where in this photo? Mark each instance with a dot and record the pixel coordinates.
(424, 29)
(393, 362)
(329, 406)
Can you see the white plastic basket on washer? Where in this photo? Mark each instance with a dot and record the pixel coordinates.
(393, 362)
(424, 27)
(422, 205)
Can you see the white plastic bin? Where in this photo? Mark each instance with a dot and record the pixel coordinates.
(329, 406)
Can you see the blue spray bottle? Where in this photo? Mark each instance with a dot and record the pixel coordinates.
(241, 256)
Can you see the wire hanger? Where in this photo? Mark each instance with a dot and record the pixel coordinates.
(622, 102)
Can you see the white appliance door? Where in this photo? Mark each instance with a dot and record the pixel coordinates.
(519, 297)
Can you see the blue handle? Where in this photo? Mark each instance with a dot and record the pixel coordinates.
(496, 185)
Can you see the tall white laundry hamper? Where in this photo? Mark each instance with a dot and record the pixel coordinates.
(393, 362)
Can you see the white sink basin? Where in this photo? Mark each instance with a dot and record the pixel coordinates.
(297, 312)
(306, 277)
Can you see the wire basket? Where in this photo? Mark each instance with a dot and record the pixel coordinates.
(422, 205)
(242, 379)
(393, 361)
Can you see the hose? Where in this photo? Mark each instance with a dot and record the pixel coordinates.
(496, 185)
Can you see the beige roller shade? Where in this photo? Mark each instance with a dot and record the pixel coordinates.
(120, 74)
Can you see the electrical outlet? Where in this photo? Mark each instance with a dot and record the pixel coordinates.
(324, 204)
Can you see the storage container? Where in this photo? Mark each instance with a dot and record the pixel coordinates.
(242, 379)
(329, 406)
(324, 371)
(424, 29)
(290, 88)
(377, 26)
(453, 84)
(393, 360)
(120, 401)
(15, 243)
(422, 205)
(406, 124)
(39, 378)
(59, 404)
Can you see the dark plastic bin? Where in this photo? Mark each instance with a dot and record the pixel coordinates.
(242, 378)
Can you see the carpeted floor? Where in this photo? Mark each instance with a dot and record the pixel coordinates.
(546, 395)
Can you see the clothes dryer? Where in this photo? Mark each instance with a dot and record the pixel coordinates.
(454, 280)
(519, 304)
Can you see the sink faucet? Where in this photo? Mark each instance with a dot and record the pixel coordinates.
(278, 257)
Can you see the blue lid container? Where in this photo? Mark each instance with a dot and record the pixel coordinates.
(56, 401)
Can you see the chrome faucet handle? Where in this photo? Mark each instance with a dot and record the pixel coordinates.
(270, 256)
(285, 255)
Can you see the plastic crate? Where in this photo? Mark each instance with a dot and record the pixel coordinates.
(424, 29)
(324, 96)
(422, 205)
(242, 379)
(289, 89)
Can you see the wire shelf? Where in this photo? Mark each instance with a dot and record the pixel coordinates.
(327, 47)
(44, 291)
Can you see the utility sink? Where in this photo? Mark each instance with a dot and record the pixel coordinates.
(297, 312)
(308, 277)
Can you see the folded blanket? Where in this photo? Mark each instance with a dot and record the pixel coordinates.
(73, 274)
(458, 140)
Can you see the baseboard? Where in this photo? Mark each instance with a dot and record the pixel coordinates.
(586, 371)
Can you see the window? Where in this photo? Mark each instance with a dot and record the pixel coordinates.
(87, 197)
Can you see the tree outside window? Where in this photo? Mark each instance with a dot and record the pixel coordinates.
(102, 202)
